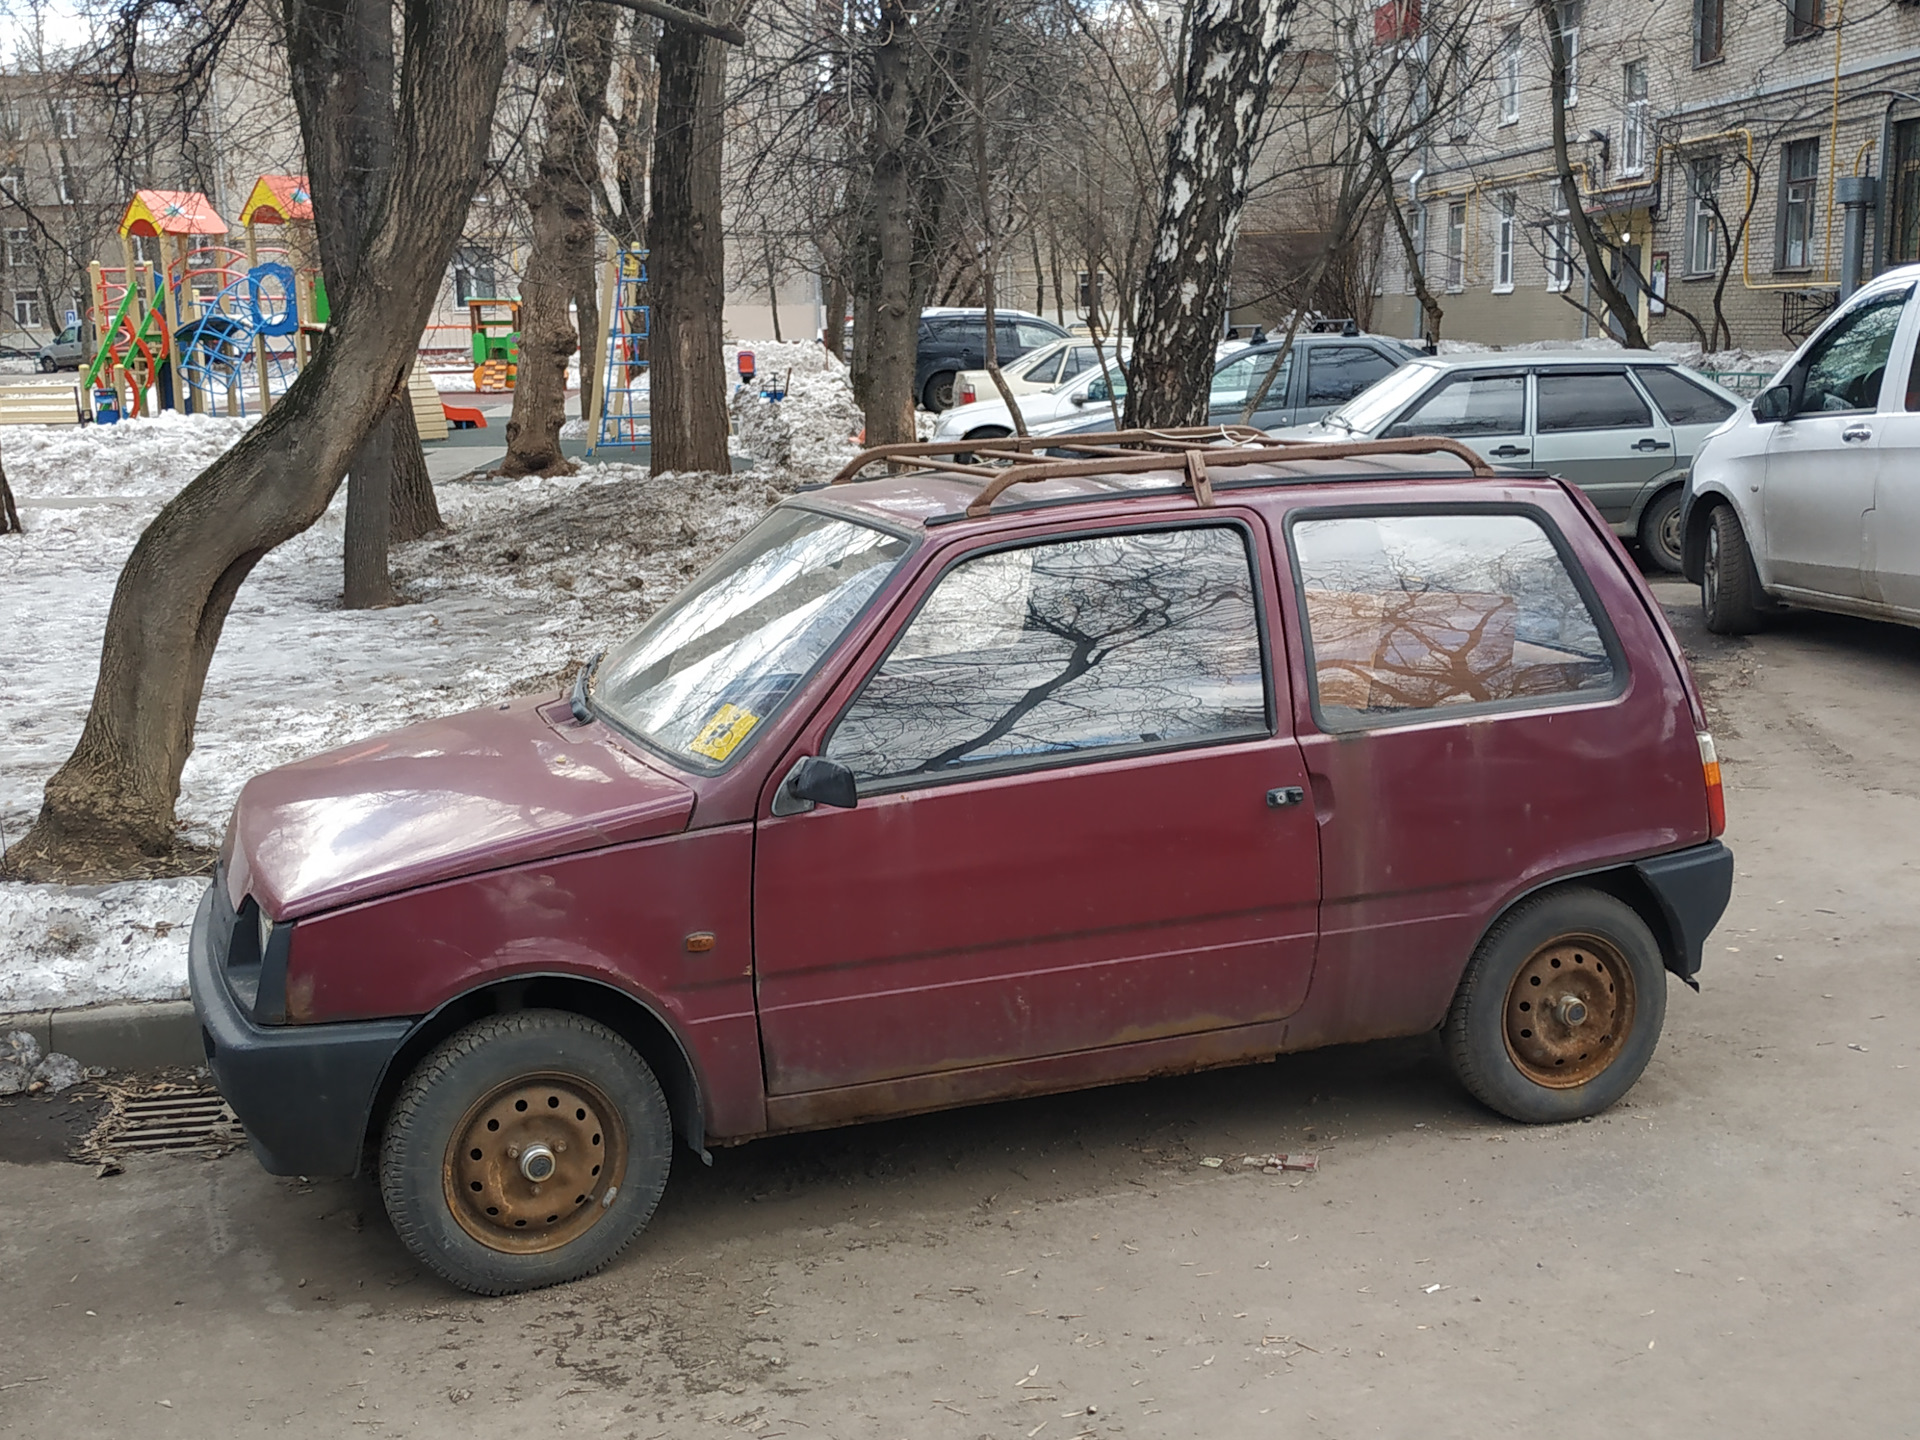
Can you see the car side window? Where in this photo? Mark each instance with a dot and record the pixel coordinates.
(1047, 372)
(1587, 401)
(1032, 337)
(1423, 611)
(1470, 404)
(1234, 381)
(1337, 373)
(1080, 359)
(1064, 649)
(1844, 368)
(1682, 401)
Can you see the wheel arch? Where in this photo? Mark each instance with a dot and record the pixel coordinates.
(1651, 491)
(1625, 882)
(636, 1022)
(1695, 520)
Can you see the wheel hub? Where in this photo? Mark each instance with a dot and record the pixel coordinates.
(1569, 1011)
(534, 1163)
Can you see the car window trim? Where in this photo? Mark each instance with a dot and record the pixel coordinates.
(1449, 377)
(1675, 371)
(1440, 714)
(1055, 760)
(1656, 417)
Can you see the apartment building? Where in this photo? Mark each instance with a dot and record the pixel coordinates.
(1718, 145)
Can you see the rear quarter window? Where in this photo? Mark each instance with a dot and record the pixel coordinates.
(1409, 613)
(1681, 400)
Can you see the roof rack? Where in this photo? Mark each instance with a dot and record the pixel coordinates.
(1006, 461)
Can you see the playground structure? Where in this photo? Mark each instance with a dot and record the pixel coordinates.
(620, 412)
(496, 342)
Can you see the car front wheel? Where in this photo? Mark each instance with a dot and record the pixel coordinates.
(1729, 585)
(1560, 1008)
(526, 1150)
(47, 366)
(1660, 530)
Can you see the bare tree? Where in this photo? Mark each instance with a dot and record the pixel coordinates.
(9, 512)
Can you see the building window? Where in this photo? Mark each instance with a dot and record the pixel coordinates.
(1703, 229)
(19, 253)
(1804, 18)
(1457, 245)
(1509, 79)
(10, 119)
(146, 249)
(66, 119)
(1503, 247)
(1903, 237)
(1634, 127)
(1559, 248)
(1570, 43)
(13, 184)
(1799, 173)
(70, 188)
(26, 308)
(1707, 30)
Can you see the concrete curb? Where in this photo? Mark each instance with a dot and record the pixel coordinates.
(118, 1037)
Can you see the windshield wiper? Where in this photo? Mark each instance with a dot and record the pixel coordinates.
(581, 710)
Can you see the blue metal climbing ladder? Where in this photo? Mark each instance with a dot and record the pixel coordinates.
(625, 390)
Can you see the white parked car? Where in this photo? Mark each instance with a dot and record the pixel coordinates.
(989, 419)
(1811, 495)
(1037, 370)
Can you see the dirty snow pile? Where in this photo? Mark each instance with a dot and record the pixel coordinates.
(810, 431)
(1681, 352)
(23, 1067)
(530, 577)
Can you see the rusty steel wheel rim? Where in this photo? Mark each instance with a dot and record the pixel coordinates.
(535, 1163)
(1569, 1011)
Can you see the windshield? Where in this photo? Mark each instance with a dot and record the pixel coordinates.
(1373, 406)
(716, 664)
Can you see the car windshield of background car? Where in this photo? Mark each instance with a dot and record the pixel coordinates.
(1371, 407)
(718, 662)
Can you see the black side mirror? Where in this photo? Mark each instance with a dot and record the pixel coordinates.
(1773, 403)
(817, 781)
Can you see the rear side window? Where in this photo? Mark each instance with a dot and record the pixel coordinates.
(1408, 613)
(1337, 373)
(1032, 337)
(1588, 401)
(1683, 401)
(1054, 651)
(1468, 405)
(1047, 372)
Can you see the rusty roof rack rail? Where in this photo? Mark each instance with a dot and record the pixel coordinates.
(1008, 461)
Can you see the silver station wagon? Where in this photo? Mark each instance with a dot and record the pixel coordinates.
(1623, 427)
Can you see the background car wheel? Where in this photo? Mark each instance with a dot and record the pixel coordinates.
(526, 1150)
(1560, 1008)
(1660, 530)
(1729, 586)
(47, 365)
(938, 395)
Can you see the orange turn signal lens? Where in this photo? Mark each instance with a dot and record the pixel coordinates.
(1716, 796)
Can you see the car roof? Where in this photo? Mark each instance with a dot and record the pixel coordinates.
(978, 312)
(1554, 359)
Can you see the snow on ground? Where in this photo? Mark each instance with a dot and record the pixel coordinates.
(1684, 353)
(531, 577)
(810, 430)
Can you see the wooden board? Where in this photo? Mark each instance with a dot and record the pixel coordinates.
(40, 405)
(427, 414)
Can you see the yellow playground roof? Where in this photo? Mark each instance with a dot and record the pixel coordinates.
(278, 200)
(171, 212)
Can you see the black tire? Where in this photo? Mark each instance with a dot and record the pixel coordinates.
(1570, 945)
(1660, 530)
(47, 365)
(445, 1101)
(988, 432)
(1730, 596)
(938, 395)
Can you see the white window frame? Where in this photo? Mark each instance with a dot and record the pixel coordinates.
(19, 249)
(13, 184)
(1503, 246)
(1703, 234)
(1570, 42)
(68, 180)
(1634, 129)
(1456, 246)
(1559, 233)
(1510, 77)
(66, 119)
(1798, 195)
(26, 309)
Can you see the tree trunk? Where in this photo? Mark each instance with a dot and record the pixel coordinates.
(9, 512)
(109, 810)
(370, 520)
(1232, 57)
(1623, 312)
(560, 203)
(415, 510)
(1416, 270)
(686, 261)
(833, 329)
(886, 324)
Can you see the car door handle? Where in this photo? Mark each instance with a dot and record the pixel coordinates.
(1856, 434)
(1286, 795)
(1649, 443)
(1507, 452)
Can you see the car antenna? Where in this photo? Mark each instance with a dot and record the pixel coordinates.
(579, 702)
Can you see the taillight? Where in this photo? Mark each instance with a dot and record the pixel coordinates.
(1716, 797)
(964, 395)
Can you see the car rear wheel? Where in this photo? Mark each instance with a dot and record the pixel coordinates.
(1729, 585)
(1560, 1008)
(938, 395)
(1660, 530)
(526, 1150)
(47, 365)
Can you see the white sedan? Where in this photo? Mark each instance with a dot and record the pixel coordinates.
(989, 419)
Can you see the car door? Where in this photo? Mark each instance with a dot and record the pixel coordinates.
(1235, 378)
(1078, 822)
(1892, 562)
(1594, 427)
(1692, 411)
(1823, 460)
(1484, 409)
(1335, 374)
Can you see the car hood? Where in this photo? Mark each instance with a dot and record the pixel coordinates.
(438, 800)
(1317, 433)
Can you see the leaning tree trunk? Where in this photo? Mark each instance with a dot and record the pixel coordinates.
(560, 202)
(1233, 55)
(109, 809)
(686, 258)
(416, 509)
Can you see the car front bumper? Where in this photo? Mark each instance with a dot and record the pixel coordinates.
(303, 1092)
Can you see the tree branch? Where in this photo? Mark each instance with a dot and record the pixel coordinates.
(674, 15)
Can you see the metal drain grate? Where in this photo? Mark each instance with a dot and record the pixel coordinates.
(163, 1118)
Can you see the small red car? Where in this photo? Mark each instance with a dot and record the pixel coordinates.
(1014, 774)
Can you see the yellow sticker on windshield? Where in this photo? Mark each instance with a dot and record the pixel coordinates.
(724, 732)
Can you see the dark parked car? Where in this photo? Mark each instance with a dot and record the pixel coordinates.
(952, 340)
(933, 791)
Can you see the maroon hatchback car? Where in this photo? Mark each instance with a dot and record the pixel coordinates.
(1013, 774)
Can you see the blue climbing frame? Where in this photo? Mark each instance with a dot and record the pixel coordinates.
(625, 391)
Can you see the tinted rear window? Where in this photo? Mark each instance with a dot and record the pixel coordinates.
(1588, 402)
(1683, 401)
(1337, 373)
